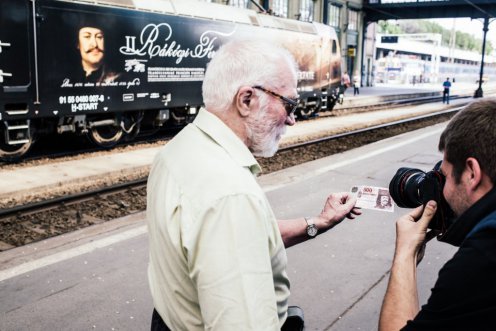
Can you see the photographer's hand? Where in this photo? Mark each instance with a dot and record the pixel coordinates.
(411, 230)
(401, 299)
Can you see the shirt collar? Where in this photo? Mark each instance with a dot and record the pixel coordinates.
(458, 231)
(227, 139)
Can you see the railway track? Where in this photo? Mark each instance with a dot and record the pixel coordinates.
(27, 223)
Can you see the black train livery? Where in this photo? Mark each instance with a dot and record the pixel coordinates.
(110, 68)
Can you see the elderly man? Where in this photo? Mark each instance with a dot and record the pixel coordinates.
(217, 253)
(464, 296)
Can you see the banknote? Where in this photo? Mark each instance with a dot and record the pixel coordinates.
(372, 197)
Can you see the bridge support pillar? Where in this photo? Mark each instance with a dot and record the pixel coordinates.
(479, 93)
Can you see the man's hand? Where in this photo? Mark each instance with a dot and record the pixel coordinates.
(337, 207)
(411, 231)
(401, 299)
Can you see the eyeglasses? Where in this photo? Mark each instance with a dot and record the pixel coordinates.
(289, 104)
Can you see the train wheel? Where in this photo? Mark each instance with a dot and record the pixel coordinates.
(105, 136)
(306, 113)
(331, 102)
(13, 152)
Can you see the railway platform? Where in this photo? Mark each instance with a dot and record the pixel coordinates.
(95, 279)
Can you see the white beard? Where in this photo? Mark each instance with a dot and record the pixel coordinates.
(264, 133)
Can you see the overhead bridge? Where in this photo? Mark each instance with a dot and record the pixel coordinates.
(376, 10)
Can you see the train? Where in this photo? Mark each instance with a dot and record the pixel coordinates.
(110, 69)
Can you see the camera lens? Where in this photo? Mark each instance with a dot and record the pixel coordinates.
(411, 188)
(405, 187)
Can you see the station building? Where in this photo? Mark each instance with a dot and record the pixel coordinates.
(417, 57)
(345, 16)
(420, 58)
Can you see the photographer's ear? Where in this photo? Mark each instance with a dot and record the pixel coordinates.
(474, 173)
(478, 182)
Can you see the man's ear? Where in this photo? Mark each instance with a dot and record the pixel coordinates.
(474, 173)
(245, 101)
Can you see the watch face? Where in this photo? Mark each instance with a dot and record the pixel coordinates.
(312, 230)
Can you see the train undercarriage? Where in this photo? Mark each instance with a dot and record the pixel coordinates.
(104, 130)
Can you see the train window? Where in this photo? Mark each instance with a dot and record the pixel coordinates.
(334, 47)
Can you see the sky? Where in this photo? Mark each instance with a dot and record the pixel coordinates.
(473, 27)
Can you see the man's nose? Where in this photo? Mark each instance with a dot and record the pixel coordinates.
(290, 120)
(93, 41)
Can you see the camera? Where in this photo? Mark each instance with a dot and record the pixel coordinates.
(412, 187)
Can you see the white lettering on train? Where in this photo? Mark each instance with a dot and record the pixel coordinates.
(152, 34)
(83, 106)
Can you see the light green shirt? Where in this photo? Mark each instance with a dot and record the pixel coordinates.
(217, 260)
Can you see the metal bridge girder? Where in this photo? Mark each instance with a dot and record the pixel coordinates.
(376, 10)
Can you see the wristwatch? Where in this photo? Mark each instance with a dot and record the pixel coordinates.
(311, 228)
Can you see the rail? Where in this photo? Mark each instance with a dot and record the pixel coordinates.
(68, 199)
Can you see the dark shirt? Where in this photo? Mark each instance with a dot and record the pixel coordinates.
(94, 76)
(100, 76)
(464, 296)
(446, 85)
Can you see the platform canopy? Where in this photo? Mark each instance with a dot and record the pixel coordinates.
(376, 10)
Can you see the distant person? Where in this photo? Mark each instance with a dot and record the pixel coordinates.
(414, 80)
(383, 200)
(91, 46)
(345, 81)
(217, 252)
(464, 295)
(446, 90)
(356, 84)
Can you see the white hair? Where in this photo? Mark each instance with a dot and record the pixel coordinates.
(244, 63)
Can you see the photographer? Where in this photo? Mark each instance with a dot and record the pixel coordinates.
(464, 296)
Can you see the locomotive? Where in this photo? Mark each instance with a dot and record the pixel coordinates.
(109, 69)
